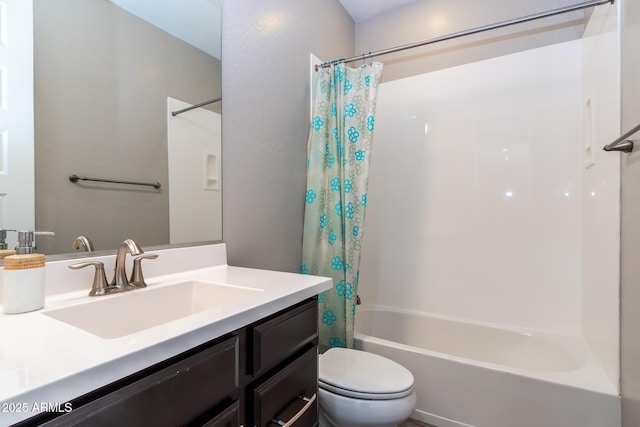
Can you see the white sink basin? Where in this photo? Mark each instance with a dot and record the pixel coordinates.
(133, 311)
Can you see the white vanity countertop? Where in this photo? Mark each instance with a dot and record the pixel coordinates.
(46, 361)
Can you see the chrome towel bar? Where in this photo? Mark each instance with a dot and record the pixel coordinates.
(622, 143)
(76, 178)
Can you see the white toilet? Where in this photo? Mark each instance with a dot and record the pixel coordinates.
(360, 389)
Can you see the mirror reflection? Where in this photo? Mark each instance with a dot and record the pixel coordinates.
(105, 83)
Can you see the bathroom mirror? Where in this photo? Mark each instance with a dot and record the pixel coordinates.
(103, 77)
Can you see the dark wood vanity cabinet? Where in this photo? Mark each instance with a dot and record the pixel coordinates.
(184, 391)
(284, 368)
(256, 376)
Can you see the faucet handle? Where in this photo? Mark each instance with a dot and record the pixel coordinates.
(82, 242)
(137, 279)
(100, 285)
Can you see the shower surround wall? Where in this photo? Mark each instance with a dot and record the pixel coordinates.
(475, 192)
(601, 100)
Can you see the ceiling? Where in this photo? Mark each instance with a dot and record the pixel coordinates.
(190, 21)
(177, 18)
(363, 9)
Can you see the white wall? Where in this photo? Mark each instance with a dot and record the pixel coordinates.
(479, 216)
(630, 226)
(17, 186)
(194, 141)
(601, 191)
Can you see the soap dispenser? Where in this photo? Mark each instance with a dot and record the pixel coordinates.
(26, 241)
(4, 251)
(23, 288)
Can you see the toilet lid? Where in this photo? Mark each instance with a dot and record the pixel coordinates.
(358, 373)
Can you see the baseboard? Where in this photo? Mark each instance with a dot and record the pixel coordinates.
(437, 421)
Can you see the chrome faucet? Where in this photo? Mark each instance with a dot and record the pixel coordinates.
(82, 242)
(120, 276)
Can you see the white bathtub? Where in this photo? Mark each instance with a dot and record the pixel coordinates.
(470, 374)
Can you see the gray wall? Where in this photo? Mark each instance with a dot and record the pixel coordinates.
(265, 125)
(427, 19)
(101, 81)
(630, 264)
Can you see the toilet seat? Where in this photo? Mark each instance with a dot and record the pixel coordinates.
(363, 375)
(366, 396)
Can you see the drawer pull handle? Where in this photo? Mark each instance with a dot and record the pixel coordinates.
(300, 413)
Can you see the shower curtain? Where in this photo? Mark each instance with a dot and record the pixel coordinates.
(338, 154)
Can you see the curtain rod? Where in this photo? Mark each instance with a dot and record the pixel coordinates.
(475, 30)
(202, 104)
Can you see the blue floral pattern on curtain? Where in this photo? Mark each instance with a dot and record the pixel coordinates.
(338, 154)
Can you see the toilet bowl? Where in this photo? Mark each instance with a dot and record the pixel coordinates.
(360, 389)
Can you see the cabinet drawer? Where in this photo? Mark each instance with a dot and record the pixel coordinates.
(170, 397)
(230, 417)
(288, 393)
(280, 337)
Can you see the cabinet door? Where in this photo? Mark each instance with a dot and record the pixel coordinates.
(289, 394)
(281, 336)
(170, 397)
